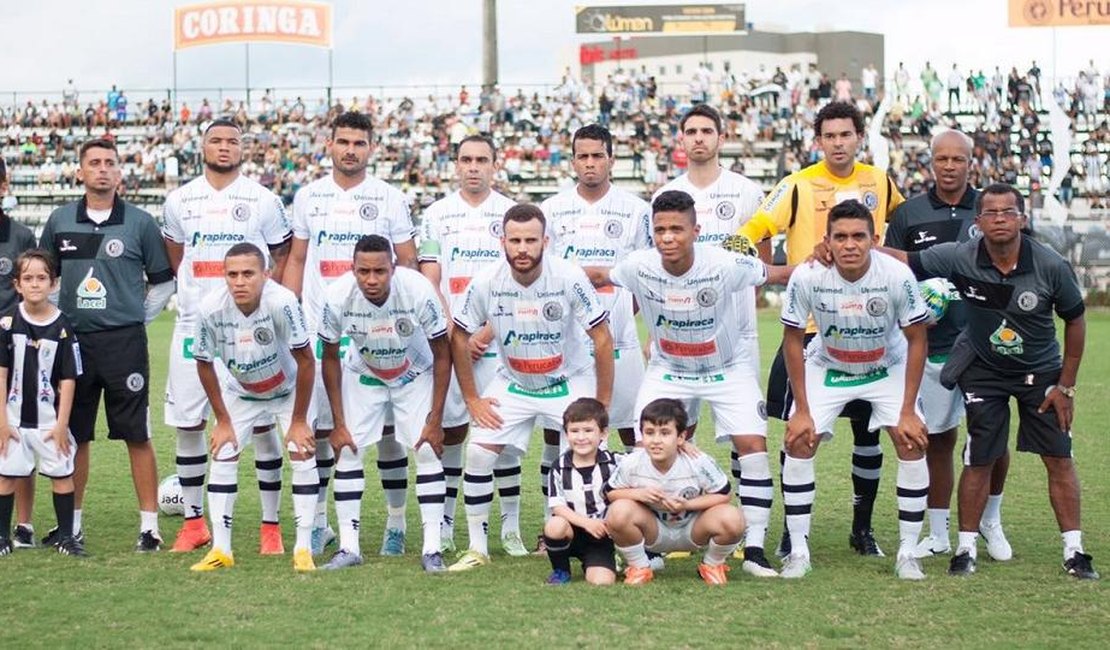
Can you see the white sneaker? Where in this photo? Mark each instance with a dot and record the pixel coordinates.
(997, 546)
(908, 567)
(931, 546)
(796, 566)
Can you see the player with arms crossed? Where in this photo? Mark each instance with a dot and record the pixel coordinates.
(330, 215)
(398, 360)
(871, 346)
(256, 328)
(538, 308)
(202, 220)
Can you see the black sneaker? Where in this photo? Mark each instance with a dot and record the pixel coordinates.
(6, 547)
(784, 547)
(756, 564)
(23, 537)
(1079, 565)
(962, 564)
(71, 546)
(863, 542)
(52, 537)
(149, 542)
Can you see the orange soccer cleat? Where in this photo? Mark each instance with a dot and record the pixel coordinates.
(193, 535)
(638, 575)
(714, 574)
(270, 540)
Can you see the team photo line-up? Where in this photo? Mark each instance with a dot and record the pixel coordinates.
(316, 334)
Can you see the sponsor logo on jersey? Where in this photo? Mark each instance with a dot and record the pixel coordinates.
(337, 238)
(861, 332)
(474, 254)
(457, 285)
(334, 268)
(587, 302)
(226, 239)
(528, 338)
(538, 366)
(856, 356)
(208, 269)
(688, 349)
(1006, 341)
(684, 324)
(838, 379)
(592, 253)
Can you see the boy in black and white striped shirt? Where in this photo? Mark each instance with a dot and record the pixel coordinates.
(575, 489)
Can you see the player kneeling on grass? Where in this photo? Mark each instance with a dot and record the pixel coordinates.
(575, 488)
(663, 499)
(257, 329)
(39, 365)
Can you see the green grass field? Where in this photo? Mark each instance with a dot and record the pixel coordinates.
(117, 598)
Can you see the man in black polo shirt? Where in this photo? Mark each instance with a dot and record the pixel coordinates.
(14, 239)
(946, 213)
(1012, 286)
(108, 252)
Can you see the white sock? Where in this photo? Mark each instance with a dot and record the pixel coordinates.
(992, 513)
(325, 462)
(478, 493)
(913, 491)
(268, 461)
(1073, 543)
(148, 521)
(350, 483)
(306, 486)
(223, 488)
(452, 473)
(717, 553)
(393, 466)
(968, 541)
(635, 555)
(430, 487)
(76, 521)
(755, 491)
(506, 476)
(799, 489)
(192, 461)
(938, 522)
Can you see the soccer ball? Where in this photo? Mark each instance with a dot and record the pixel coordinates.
(170, 501)
(937, 293)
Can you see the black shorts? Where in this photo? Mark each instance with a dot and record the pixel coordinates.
(116, 362)
(593, 551)
(780, 400)
(987, 396)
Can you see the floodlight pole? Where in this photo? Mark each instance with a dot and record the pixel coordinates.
(489, 44)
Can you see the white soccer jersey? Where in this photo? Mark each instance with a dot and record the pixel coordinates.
(687, 478)
(389, 342)
(858, 323)
(703, 321)
(540, 327)
(332, 220)
(254, 347)
(601, 234)
(207, 222)
(722, 207)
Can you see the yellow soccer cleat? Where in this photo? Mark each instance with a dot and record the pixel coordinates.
(469, 560)
(302, 560)
(215, 559)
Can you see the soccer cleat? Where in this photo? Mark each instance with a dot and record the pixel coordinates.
(393, 542)
(23, 537)
(756, 564)
(1079, 565)
(149, 541)
(962, 564)
(193, 535)
(52, 537)
(558, 577)
(931, 546)
(433, 563)
(638, 575)
(713, 574)
(343, 559)
(213, 560)
(469, 560)
(908, 567)
(321, 539)
(998, 547)
(302, 560)
(863, 542)
(541, 547)
(782, 551)
(447, 546)
(796, 566)
(269, 540)
(71, 546)
(6, 546)
(656, 561)
(512, 545)
(678, 555)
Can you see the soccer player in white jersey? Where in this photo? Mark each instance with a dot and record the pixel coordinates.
(256, 328)
(330, 215)
(202, 220)
(538, 308)
(695, 299)
(460, 235)
(870, 345)
(398, 359)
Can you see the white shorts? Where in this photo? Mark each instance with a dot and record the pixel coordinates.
(521, 410)
(674, 538)
(943, 408)
(37, 444)
(367, 404)
(454, 409)
(828, 391)
(247, 413)
(627, 377)
(186, 403)
(734, 397)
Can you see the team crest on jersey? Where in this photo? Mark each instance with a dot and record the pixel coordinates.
(688, 493)
(263, 336)
(114, 247)
(241, 212)
(552, 311)
(876, 306)
(725, 210)
(404, 327)
(368, 211)
(6, 322)
(613, 228)
(1027, 301)
(5, 265)
(707, 297)
(495, 228)
(973, 231)
(871, 200)
(135, 382)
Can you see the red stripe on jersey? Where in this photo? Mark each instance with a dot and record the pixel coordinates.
(265, 385)
(536, 366)
(391, 373)
(856, 356)
(681, 349)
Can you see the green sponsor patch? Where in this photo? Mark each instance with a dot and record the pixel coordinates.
(938, 358)
(344, 341)
(694, 379)
(560, 389)
(187, 348)
(837, 379)
(370, 381)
